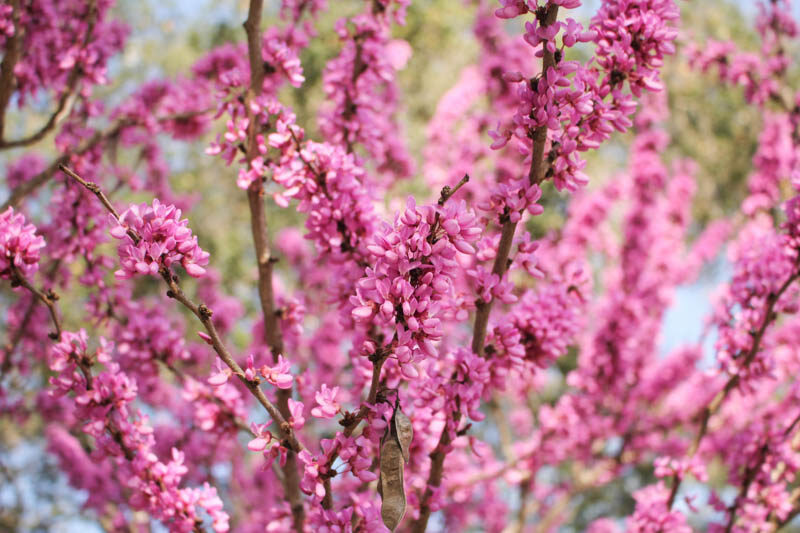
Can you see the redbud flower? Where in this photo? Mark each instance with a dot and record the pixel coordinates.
(327, 406)
(311, 482)
(262, 440)
(511, 9)
(221, 374)
(279, 375)
(297, 420)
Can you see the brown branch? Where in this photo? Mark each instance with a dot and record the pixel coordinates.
(11, 346)
(66, 98)
(524, 506)
(12, 54)
(94, 189)
(733, 381)
(204, 314)
(258, 227)
(536, 174)
(434, 477)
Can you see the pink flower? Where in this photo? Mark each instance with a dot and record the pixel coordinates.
(220, 375)
(263, 438)
(398, 53)
(415, 262)
(297, 420)
(311, 482)
(327, 406)
(279, 375)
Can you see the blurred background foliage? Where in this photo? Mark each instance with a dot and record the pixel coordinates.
(709, 123)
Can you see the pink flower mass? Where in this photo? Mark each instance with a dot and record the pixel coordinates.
(357, 325)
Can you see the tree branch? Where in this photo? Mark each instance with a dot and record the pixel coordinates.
(28, 187)
(50, 300)
(12, 54)
(535, 175)
(733, 381)
(64, 101)
(204, 314)
(258, 227)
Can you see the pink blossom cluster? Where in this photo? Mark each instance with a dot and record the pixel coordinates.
(144, 339)
(580, 105)
(154, 237)
(362, 94)
(632, 39)
(61, 38)
(415, 261)
(19, 245)
(758, 73)
(329, 185)
(24, 169)
(183, 102)
(85, 229)
(214, 409)
(547, 320)
(227, 67)
(756, 291)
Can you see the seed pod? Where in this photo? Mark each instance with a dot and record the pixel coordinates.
(390, 483)
(404, 431)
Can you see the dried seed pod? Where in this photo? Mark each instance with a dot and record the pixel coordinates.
(404, 431)
(390, 483)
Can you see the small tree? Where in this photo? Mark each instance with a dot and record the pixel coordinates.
(416, 366)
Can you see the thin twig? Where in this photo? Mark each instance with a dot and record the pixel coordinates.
(536, 174)
(48, 298)
(204, 314)
(94, 189)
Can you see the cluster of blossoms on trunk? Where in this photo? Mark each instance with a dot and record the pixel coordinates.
(418, 363)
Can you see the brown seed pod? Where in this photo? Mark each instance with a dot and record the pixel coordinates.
(390, 483)
(404, 431)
